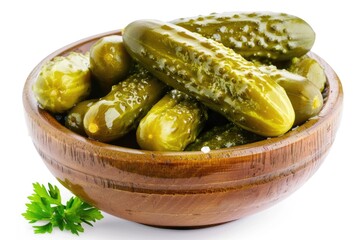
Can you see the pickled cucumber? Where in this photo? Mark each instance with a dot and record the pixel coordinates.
(109, 61)
(74, 119)
(172, 123)
(114, 115)
(225, 136)
(305, 97)
(311, 69)
(268, 35)
(63, 82)
(213, 74)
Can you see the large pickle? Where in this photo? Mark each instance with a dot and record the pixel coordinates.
(213, 74)
(225, 136)
(305, 97)
(269, 35)
(114, 115)
(63, 82)
(172, 123)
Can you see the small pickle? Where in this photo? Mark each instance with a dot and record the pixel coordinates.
(311, 69)
(114, 115)
(224, 136)
(305, 97)
(63, 82)
(109, 61)
(74, 119)
(172, 123)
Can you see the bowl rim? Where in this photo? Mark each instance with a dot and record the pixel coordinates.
(333, 101)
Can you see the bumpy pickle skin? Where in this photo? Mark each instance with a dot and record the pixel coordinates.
(224, 136)
(305, 97)
(311, 69)
(109, 61)
(213, 74)
(74, 118)
(114, 115)
(63, 82)
(255, 35)
(172, 123)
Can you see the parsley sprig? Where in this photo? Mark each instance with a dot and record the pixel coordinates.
(45, 206)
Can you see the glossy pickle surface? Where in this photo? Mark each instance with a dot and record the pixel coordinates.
(311, 69)
(117, 113)
(109, 61)
(305, 97)
(172, 123)
(74, 118)
(255, 35)
(63, 82)
(213, 74)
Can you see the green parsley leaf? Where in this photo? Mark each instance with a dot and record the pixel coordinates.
(45, 206)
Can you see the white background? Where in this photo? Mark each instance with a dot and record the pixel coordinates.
(326, 207)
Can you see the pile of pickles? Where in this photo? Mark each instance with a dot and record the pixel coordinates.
(192, 84)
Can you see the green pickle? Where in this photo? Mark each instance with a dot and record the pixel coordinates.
(117, 113)
(255, 35)
(224, 136)
(311, 69)
(74, 118)
(109, 61)
(212, 73)
(63, 82)
(172, 123)
(305, 97)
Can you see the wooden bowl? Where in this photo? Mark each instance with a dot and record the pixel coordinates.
(182, 189)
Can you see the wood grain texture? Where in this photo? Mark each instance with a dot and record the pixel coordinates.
(183, 189)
